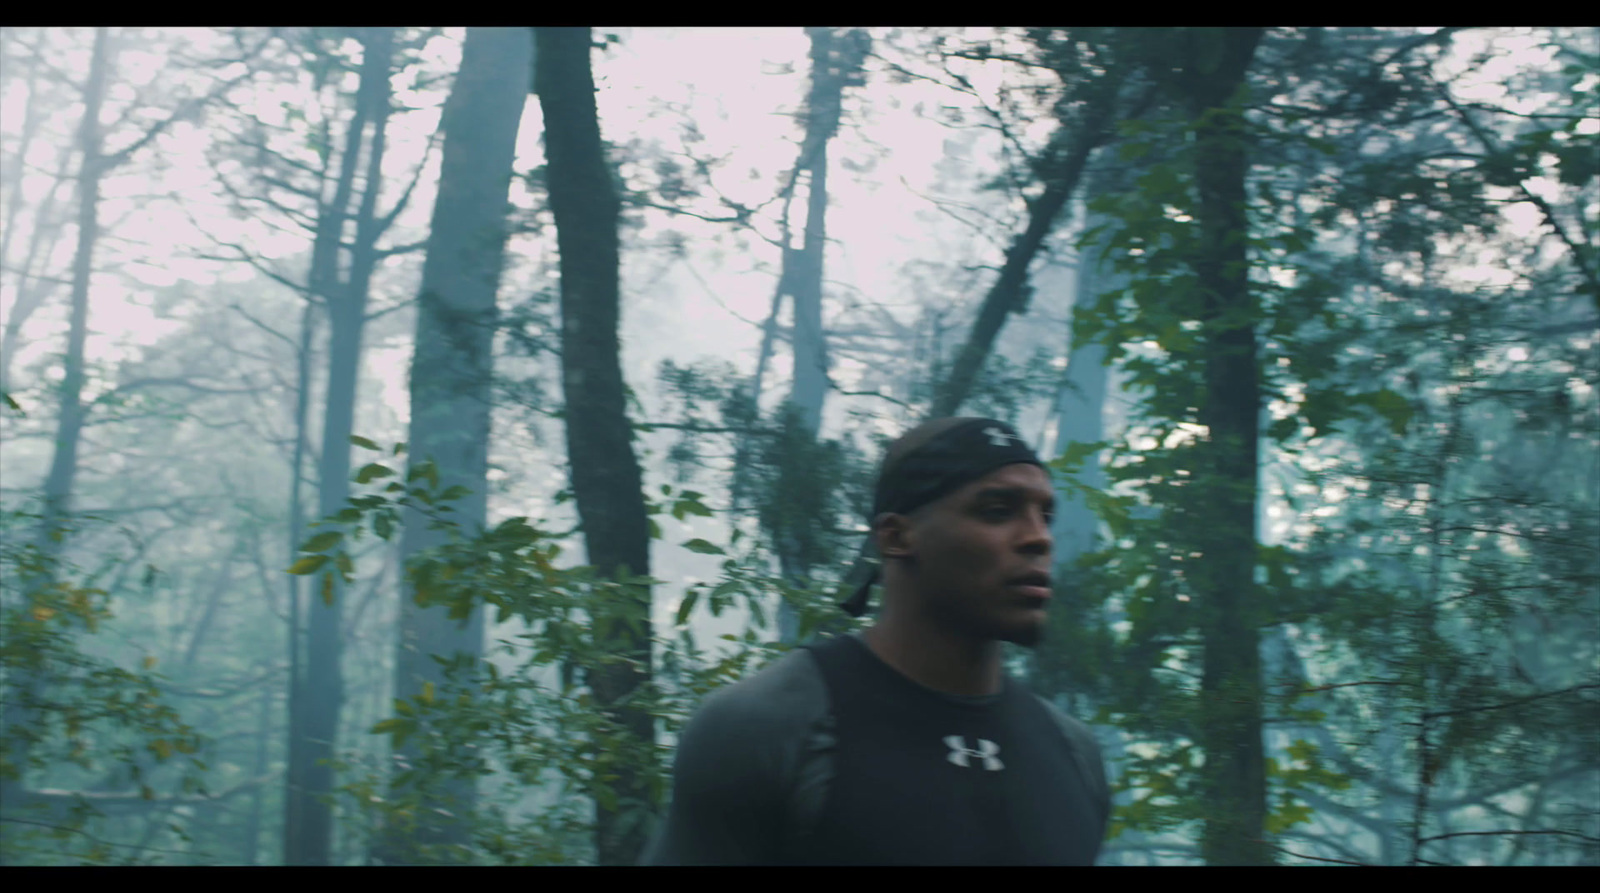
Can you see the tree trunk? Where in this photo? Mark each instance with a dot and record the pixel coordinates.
(606, 478)
(294, 702)
(835, 60)
(1057, 665)
(31, 289)
(64, 463)
(1064, 165)
(324, 690)
(1080, 403)
(452, 365)
(250, 842)
(54, 522)
(1233, 779)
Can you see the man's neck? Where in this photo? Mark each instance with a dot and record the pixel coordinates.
(935, 659)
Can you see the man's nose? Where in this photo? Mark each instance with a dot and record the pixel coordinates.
(1037, 538)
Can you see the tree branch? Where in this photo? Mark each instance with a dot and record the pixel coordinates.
(1509, 704)
(1577, 252)
(137, 800)
(1498, 833)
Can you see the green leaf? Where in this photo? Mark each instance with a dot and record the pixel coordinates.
(365, 443)
(12, 404)
(688, 506)
(1392, 406)
(655, 529)
(703, 547)
(322, 541)
(455, 492)
(308, 565)
(1283, 428)
(327, 589)
(424, 470)
(383, 525)
(687, 605)
(370, 471)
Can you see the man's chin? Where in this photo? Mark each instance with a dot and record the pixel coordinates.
(1028, 635)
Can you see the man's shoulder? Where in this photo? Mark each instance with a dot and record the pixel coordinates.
(787, 695)
(1077, 731)
(1083, 743)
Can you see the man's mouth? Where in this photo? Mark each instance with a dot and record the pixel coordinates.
(1034, 585)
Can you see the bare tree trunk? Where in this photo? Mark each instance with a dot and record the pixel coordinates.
(835, 61)
(346, 303)
(54, 523)
(606, 478)
(295, 771)
(452, 366)
(1233, 778)
(1079, 416)
(31, 290)
(1069, 153)
(64, 463)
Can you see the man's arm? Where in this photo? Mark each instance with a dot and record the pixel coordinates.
(1090, 758)
(727, 801)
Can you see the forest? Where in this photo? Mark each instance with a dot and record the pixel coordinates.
(403, 430)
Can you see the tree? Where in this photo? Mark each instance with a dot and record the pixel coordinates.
(606, 479)
(452, 365)
(1225, 466)
(797, 506)
(319, 695)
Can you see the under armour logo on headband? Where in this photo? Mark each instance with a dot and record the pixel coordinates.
(997, 436)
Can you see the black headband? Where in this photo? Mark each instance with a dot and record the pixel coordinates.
(962, 451)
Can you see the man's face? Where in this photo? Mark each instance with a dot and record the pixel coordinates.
(980, 558)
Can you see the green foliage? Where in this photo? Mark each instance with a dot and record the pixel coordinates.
(1425, 550)
(67, 707)
(511, 714)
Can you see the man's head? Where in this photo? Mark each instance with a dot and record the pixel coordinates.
(962, 520)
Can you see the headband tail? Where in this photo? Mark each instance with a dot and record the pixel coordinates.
(856, 605)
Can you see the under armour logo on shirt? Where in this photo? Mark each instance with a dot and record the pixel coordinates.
(998, 437)
(961, 755)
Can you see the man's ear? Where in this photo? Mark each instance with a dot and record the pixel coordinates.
(893, 534)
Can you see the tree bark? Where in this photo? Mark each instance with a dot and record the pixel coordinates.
(453, 363)
(1009, 295)
(54, 523)
(294, 701)
(606, 478)
(1233, 779)
(346, 305)
(835, 60)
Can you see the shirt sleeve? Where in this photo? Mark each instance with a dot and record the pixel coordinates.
(1090, 759)
(731, 779)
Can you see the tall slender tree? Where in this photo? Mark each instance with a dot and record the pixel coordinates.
(22, 692)
(1234, 773)
(606, 478)
(451, 368)
(309, 838)
(795, 509)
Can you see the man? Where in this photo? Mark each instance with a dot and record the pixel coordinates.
(907, 745)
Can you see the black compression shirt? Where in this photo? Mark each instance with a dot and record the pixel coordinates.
(829, 756)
